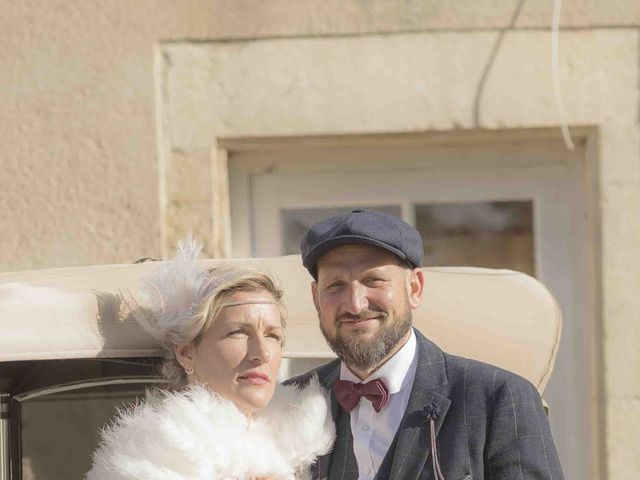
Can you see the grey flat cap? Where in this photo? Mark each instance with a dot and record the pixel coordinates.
(362, 227)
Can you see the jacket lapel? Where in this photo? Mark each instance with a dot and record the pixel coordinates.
(327, 380)
(429, 388)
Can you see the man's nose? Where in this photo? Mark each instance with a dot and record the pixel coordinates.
(357, 299)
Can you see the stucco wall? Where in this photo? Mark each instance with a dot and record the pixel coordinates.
(79, 176)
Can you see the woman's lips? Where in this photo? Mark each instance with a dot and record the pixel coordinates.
(255, 378)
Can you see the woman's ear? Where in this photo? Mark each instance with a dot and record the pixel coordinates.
(185, 355)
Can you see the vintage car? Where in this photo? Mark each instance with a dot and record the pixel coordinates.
(70, 354)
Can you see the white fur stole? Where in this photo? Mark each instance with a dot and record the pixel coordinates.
(197, 435)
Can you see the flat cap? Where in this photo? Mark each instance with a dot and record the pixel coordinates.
(362, 227)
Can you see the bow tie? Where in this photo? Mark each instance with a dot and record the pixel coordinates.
(349, 394)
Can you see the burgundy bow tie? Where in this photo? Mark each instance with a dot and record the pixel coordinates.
(349, 394)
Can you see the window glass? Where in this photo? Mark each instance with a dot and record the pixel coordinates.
(478, 234)
(61, 431)
(63, 404)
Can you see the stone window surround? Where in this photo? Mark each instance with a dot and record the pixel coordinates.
(604, 122)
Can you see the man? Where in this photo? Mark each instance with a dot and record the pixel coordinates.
(403, 408)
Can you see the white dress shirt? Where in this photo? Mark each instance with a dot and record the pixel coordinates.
(374, 432)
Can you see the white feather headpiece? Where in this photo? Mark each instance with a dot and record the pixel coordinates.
(175, 292)
(172, 294)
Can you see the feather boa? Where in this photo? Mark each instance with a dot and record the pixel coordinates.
(197, 435)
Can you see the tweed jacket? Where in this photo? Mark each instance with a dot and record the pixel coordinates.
(489, 424)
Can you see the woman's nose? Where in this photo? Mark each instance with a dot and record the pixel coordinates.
(259, 351)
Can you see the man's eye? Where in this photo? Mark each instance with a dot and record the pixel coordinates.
(374, 281)
(334, 286)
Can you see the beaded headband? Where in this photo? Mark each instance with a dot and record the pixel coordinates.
(173, 293)
(249, 302)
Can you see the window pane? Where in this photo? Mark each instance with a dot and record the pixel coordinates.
(296, 222)
(480, 234)
(60, 431)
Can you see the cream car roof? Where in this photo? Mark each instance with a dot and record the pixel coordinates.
(501, 317)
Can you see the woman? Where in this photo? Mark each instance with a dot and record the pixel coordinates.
(222, 332)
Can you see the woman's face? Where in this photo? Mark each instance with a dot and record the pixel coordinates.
(238, 357)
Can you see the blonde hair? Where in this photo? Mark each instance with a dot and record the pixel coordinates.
(223, 283)
(181, 299)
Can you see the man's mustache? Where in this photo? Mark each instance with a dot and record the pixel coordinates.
(363, 315)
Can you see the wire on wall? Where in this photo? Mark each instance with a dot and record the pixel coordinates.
(555, 73)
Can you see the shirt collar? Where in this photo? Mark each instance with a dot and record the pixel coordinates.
(396, 373)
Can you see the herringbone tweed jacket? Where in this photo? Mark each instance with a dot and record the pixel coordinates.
(489, 424)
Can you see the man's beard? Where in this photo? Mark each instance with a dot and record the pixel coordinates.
(364, 354)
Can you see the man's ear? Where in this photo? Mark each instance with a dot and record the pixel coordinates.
(416, 287)
(314, 294)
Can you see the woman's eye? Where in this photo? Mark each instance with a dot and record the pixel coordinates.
(237, 333)
(275, 336)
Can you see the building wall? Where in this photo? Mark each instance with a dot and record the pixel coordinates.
(79, 137)
(81, 183)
